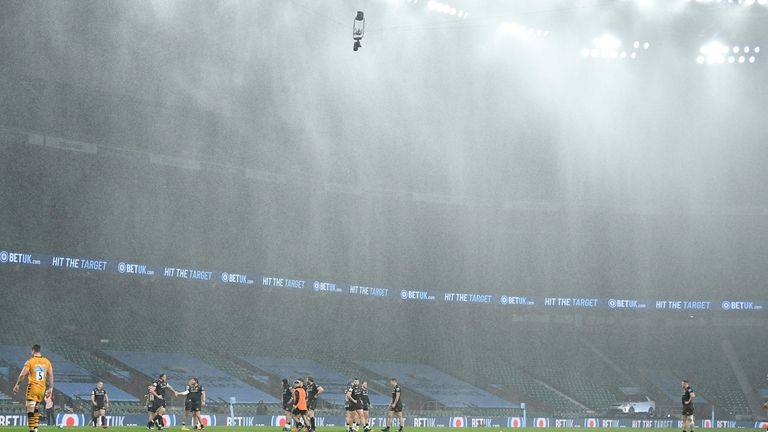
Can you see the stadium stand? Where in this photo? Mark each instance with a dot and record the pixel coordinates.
(721, 388)
(490, 370)
(435, 384)
(751, 351)
(180, 367)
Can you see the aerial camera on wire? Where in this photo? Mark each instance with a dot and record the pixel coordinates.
(358, 30)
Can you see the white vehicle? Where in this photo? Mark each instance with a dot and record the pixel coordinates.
(643, 405)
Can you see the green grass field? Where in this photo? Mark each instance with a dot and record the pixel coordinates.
(324, 429)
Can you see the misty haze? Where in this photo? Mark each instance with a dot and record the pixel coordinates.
(530, 213)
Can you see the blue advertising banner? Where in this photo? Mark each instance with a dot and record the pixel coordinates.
(233, 277)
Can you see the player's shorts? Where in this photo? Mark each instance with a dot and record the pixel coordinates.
(397, 408)
(150, 408)
(194, 405)
(365, 406)
(312, 404)
(35, 393)
(352, 407)
(687, 410)
(98, 407)
(186, 404)
(297, 411)
(287, 406)
(157, 404)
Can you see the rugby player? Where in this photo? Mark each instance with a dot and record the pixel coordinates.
(299, 402)
(287, 407)
(352, 405)
(194, 401)
(158, 391)
(366, 404)
(313, 391)
(36, 369)
(100, 402)
(395, 407)
(688, 397)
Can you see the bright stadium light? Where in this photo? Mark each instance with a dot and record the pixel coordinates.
(610, 47)
(606, 42)
(718, 53)
(715, 52)
(436, 6)
(518, 30)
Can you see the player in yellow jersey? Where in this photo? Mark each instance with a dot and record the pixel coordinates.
(36, 369)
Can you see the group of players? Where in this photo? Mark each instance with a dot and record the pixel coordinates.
(300, 403)
(193, 402)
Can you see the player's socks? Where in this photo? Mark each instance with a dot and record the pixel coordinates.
(386, 429)
(30, 417)
(104, 421)
(312, 423)
(35, 419)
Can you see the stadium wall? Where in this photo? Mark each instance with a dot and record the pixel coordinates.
(76, 420)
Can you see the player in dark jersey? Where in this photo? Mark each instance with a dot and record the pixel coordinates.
(100, 402)
(688, 397)
(366, 404)
(149, 402)
(194, 401)
(187, 402)
(357, 394)
(287, 407)
(350, 406)
(158, 391)
(313, 391)
(395, 407)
